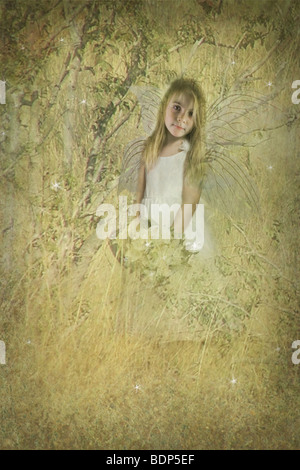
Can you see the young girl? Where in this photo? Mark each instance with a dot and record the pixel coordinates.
(172, 169)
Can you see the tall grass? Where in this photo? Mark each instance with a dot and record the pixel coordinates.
(114, 360)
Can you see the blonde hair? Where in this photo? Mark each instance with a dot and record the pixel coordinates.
(194, 168)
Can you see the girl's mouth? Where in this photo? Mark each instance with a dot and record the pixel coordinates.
(179, 127)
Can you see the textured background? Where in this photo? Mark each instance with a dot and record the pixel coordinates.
(177, 353)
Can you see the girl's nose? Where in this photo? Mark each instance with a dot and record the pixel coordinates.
(182, 117)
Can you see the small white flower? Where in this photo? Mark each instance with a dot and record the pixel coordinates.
(233, 62)
(193, 246)
(28, 341)
(56, 185)
(185, 145)
(147, 244)
(277, 349)
(83, 102)
(61, 40)
(270, 167)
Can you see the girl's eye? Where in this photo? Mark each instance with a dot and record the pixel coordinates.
(176, 107)
(191, 114)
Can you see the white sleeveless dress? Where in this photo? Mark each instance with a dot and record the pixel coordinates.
(164, 184)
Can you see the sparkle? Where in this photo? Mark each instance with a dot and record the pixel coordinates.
(56, 185)
(194, 246)
(270, 167)
(233, 381)
(137, 388)
(269, 83)
(61, 40)
(147, 244)
(28, 341)
(233, 62)
(83, 102)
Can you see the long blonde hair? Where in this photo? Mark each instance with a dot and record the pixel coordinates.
(194, 168)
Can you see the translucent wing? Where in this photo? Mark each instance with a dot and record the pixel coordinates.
(233, 119)
(228, 185)
(235, 122)
(130, 165)
(149, 99)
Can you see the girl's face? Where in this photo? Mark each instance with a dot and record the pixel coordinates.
(179, 115)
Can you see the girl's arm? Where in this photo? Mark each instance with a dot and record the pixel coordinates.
(141, 184)
(190, 195)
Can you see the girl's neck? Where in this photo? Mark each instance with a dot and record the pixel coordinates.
(171, 146)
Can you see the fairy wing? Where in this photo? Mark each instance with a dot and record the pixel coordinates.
(233, 119)
(149, 99)
(130, 165)
(228, 186)
(235, 122)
